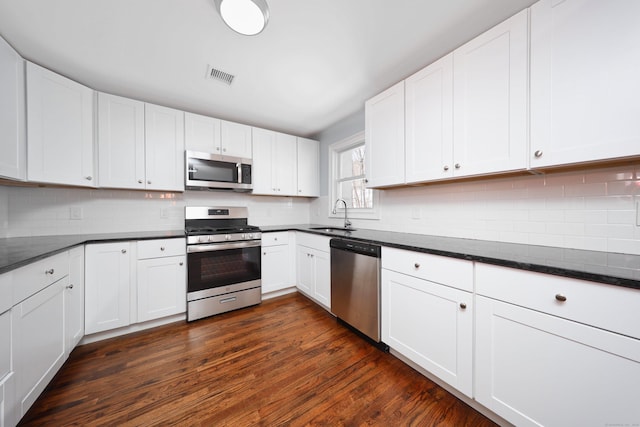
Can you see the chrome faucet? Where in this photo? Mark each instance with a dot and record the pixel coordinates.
(347, 223)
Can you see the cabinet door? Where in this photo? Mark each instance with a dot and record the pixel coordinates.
(7, 405)
(39, 342)
(162, 287)
(120, 142)
(263, 148)
(275, 264)
(305, 274)
(284, 168)
(74, 299)
(322, 277)
(107, 286)
(164, 148)
(59, 128)
(236, 140)
(490, 104)
(429, 122)
(384, 135)
(308, 168)
(535, 369)
(426, 322)
(584, 81)
(13, 162)
(201, 133)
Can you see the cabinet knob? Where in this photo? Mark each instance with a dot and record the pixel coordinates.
(561, 297)
(140, 181)
(264, 253)
(224, 150)
(538, 153)
(70, 286)
(299, 191)
(366, 180)
(148, 182)
(88, 178)
(217, 148)
(162, 248)
(50, 271)
(416, 265)
(457, 166)
(463, 305)
(446, 167)
(181, 263)
(124, 251)
(275, 238)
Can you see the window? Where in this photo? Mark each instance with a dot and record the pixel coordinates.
(347, 161)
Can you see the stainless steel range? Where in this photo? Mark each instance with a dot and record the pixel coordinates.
(223, 259)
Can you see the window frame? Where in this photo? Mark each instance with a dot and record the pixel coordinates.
(335, 150)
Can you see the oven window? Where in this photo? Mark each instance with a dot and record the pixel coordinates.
(212, 171)
(221, 268)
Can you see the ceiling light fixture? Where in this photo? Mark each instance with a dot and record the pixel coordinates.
(246, 17)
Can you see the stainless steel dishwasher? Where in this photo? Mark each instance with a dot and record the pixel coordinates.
(355, 285)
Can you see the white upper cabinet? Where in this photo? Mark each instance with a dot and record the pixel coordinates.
(13, 162)
(201, 133)
(490, 104)
(308, 168)
(235, 139)
(274, 164)
(164, 148)
(59, 129)
(429, 122)
(120, 142)
(384, 136)
(585, 90)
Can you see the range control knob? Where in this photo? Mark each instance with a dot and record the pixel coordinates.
(203, 239)
(227, 237)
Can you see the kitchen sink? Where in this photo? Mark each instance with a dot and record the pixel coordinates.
(332, 229)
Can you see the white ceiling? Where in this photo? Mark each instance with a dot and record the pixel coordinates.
(315, 63)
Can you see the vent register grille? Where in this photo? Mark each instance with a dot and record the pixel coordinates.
(219, 75)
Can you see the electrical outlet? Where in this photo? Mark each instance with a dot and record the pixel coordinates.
(164, 213)
(75, 212)
(415, 212)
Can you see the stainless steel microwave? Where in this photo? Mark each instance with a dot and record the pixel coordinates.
(216, 172)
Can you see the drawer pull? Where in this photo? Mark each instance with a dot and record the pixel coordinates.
(463, 305)
(226, 300)
(49, 271)
(416, 265)
(561, 297)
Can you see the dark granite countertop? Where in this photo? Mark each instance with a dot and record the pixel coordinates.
(604, 267)
(16, 252)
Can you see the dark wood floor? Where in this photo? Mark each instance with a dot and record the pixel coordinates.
(284, 362)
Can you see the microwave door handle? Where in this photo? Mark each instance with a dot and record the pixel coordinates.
(239, 166)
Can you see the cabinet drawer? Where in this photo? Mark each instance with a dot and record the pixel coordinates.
(457, 273)
(34, 277)
(320, 243)
(609, 307)
(274, 239)
(159, 248)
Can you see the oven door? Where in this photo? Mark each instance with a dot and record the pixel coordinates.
(216, 269)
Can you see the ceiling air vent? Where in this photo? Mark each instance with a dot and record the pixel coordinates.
(221, 76)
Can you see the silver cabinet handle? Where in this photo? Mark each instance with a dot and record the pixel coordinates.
(463, 305)
(446, 168)
(70, 286)
(457, 166)
(88, 178)
(538, 153)
(561, 297)
(416, 265)
(124, 251)
(50, 271)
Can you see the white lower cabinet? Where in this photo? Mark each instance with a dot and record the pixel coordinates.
(107, 286)
(74, 299)
(536, 368)
(313, 267)
(7, 374)
(162, 280)
(39, 347)
(276, 261)
(429, 323)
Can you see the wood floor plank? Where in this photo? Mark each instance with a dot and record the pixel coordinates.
(284, 362)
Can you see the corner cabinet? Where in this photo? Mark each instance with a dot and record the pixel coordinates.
(13, 162)
(59, 129)
(308, 157)
(556, 351)
(427, 313)
(384, 136)
(490, 103)
(274, 163)
(314, 267)
(585, 64)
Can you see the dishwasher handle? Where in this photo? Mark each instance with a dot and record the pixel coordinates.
(356, 247)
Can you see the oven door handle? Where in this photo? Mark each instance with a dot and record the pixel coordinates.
(223, 246)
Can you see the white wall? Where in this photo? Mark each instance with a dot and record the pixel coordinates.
(592, 209)
(47, 211)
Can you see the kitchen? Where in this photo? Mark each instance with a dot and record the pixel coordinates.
(590, 207)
